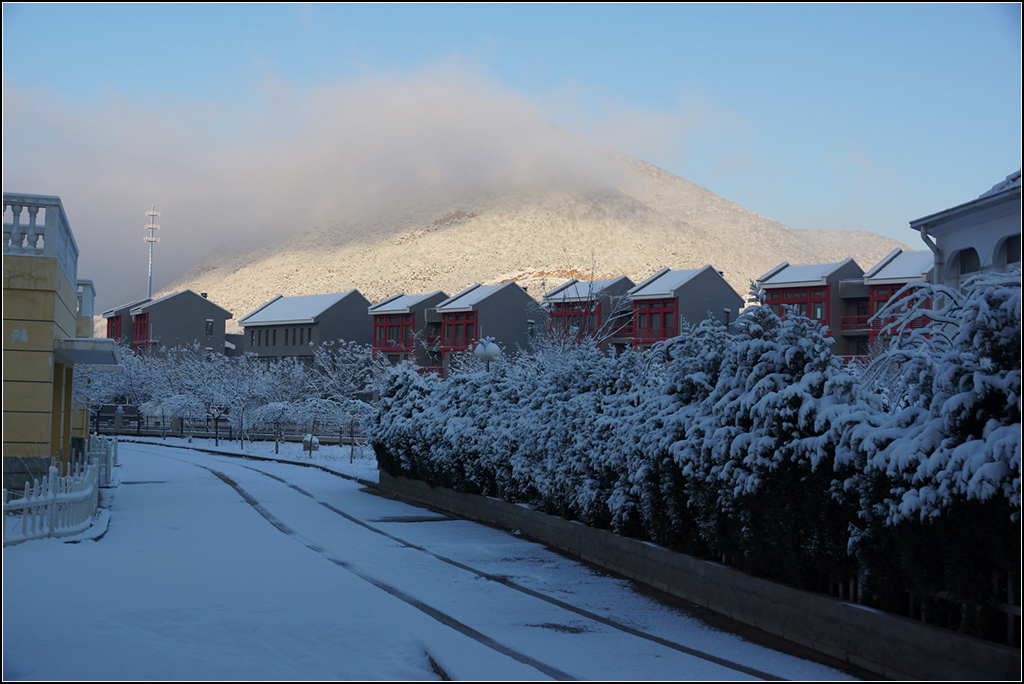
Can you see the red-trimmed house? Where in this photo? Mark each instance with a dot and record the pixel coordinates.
(596, 310)
(834, 294)
(505, 312)
(668, 297)
(119, 321)
(886, 278)
(177, 319)
(407, 327)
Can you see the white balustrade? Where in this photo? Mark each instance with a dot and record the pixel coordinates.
(25, 234)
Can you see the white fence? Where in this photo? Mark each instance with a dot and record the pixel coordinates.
(62, 505)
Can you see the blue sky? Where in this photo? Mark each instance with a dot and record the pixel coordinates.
(830, 116)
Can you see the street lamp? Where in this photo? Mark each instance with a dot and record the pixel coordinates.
(487, 350)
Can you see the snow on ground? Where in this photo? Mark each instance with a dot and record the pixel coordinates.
(219, 568)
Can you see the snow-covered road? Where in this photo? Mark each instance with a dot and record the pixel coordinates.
(220, 568)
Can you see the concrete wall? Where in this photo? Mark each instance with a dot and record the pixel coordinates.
(39, 306)
(891, 646)
(504, 317)
(707, 293)
(181, 321)
(347, 320)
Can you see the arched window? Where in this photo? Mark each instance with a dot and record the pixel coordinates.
(965, 262)
(1009, 251)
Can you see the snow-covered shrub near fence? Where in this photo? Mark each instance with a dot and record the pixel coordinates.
(755, 445)
(954, 432)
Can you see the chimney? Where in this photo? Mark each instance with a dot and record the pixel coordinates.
(203, 294)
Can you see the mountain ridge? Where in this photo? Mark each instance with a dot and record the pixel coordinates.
(647, 220)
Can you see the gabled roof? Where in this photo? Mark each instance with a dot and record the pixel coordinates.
(809, 274)
(664, 283)
(402, 303)
(471, 296)
(995, 196)
(582, 290)
(127, 305)
(286, 310)
(141, 308)
(900, 266)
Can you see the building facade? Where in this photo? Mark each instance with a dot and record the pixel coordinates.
(980, 235)
(179, 319)
(597, 311)
(47, 314)
(666, 299)
(833, 294)
(295, 326)
(408, 328)
(505, 312)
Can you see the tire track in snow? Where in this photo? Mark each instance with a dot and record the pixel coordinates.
(504, 581)
(423, 607)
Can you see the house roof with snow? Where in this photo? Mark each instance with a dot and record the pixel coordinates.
(665, 283)
(291, 310)
(582, 290)
(403, 303)
(146, 304)
(785, 275)
(472, 296)
(109, 313)
(900, 267)
(1004, 191)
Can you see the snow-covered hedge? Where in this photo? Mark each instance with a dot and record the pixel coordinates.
(754, 445)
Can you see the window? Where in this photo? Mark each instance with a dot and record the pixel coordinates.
(968, 262)
(209, 326)
(458, 329)
(818, 311)
(273, 334)
(1011, 247)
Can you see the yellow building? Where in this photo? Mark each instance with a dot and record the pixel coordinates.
(47, 316)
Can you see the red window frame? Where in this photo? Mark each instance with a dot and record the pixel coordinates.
(584, 317)
(805, 297)
(458, 330)
(141, 338)
(651, 321)
(114, 327)
(393, 332)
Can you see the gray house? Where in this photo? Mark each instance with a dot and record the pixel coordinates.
(505, 312)
(595, 310)
(119, 321)
(666, 299)
(181, 318)
(293, 326)
(408, 327)
(834, 294)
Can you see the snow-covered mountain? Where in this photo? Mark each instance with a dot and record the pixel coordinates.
(644, 220)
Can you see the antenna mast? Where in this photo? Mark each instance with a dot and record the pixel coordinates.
(151, 226)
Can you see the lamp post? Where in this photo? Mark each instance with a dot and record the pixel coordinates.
(487, 350)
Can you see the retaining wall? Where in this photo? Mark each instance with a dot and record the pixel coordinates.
(888, 645)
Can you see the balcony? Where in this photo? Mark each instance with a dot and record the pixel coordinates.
(400, 343)
(653, 334)
(454, 343)
(853, 325)
(29, 233)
